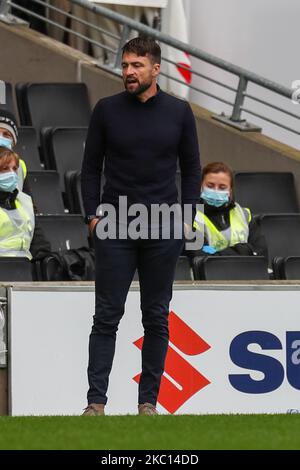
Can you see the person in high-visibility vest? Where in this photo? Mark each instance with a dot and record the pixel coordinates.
(8, 140)
(17, 221)
(16, 210)
(228, 228)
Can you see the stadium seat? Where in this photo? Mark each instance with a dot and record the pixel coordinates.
(19, 87)
(64, 231)
(53, 104)
(73, 191)
(290, 268)
(63, 150)
(45, 192)
(16, 269)
(9, 103)
(227, 268)
(282, 234)
(183, 270)
(27, 148)
(74, 202)
(266, 192)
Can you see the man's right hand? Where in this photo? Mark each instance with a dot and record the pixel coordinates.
(92, 224)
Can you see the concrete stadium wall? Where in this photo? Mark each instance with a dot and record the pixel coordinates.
(30, 56)
(244, 151)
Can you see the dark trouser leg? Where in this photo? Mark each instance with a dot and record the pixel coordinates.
(115, 267)
(156, 264)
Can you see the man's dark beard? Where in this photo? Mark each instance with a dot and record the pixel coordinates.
(140, 89)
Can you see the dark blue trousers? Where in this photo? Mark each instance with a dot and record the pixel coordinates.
(116, 262)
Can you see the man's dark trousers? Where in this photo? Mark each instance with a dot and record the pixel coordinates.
(116, 262)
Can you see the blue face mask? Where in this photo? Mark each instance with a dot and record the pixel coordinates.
(213, 197)
(8, 181)
(4, 142)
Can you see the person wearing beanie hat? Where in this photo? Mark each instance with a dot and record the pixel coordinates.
(8, 128)
(9, 138)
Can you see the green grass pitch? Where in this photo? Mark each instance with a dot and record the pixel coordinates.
(185, 432)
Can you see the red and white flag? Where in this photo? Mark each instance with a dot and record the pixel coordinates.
(174, 23)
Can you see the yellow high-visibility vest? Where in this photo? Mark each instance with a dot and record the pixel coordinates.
(17, 227)
(237, 232)
(22, 172)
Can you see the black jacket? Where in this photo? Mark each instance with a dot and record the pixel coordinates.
(219, 216)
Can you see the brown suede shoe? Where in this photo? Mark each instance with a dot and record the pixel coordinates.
(147, 409)
(94, 409)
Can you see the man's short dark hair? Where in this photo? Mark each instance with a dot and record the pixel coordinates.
(144, 47)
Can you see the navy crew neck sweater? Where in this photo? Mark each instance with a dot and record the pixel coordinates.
(139, 145)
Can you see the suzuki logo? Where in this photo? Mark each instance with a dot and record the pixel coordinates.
(180, 380)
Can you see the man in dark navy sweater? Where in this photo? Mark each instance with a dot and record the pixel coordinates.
(138, 136)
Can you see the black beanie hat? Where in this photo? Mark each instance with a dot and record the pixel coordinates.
(8, 121)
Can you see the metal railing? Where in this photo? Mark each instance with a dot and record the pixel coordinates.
(245, 77)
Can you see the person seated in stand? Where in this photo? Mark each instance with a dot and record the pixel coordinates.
(8, 139)
(18, 236)
(229, 229)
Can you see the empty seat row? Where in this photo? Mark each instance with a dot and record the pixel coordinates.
(21, 269)
(61, 149)
(237, 268)
(225, 268)
(67, 165)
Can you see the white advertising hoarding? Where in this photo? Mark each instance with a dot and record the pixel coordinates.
(232, 350)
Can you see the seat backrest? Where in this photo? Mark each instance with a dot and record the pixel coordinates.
(69, 183)
(226, 268)
(266, 192)
(282, 234)
(64, 231)
(45, 190)
(63, 150)
(291, 268)
(73, 186)
(183, 271)
(27, 148)
(54, 104)
(15, 269)
(23, 112)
